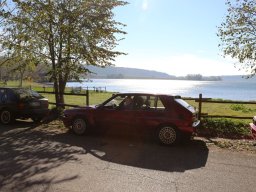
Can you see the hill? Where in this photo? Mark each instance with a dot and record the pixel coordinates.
(126, 73)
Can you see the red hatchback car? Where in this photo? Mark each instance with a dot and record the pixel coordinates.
(168, 118)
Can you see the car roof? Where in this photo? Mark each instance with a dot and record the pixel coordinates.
(153, 94)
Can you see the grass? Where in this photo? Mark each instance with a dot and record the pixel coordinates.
(94, 98)
(243, 110)
(24, 84)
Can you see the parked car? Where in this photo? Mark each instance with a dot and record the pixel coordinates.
(167, 118)
(21, 103)
(253, 127)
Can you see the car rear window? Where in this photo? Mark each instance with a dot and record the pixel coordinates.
(27, 93)
(185, 104)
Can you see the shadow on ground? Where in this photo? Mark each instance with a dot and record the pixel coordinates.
(27, 151)
(142, 154)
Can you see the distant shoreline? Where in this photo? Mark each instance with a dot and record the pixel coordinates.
(212, 78)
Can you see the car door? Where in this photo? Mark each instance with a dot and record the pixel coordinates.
(113, 118)
(150, 116)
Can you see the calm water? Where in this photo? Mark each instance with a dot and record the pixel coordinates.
(229, 88)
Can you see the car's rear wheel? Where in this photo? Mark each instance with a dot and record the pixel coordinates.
(168, 135)
(79, 126)
(6, 117)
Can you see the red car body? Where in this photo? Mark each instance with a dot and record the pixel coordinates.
(253, 127)
(149, 113)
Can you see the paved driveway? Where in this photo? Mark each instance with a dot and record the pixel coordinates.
(50, 158)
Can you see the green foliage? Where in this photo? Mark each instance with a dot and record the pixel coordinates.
(66, 35)
(242, 108)
(222, 127)
(238, 32)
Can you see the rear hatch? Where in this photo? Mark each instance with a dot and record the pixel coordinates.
(185, 105)
(191, 109)
(29, 99)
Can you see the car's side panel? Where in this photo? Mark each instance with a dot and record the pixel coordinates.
(113, 120)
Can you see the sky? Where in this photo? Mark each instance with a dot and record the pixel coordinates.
(178, 37)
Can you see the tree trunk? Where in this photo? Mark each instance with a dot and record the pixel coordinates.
(22, 71)
(56, 91)
(62, 90)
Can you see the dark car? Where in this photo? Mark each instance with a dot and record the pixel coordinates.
(167, 117)
(21, 103)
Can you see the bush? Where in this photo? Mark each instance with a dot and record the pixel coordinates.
(241, 107)
(222, 127)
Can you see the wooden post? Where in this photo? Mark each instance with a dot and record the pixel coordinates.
(87, 97)
(200, 106)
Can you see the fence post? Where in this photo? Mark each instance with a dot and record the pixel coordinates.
(200, 106)
(87, 97)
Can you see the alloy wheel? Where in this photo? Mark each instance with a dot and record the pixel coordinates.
(167, 135)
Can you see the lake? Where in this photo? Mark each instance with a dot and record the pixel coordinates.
(234, 88)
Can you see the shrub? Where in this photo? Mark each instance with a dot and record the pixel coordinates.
(222, 127)
(241, 107)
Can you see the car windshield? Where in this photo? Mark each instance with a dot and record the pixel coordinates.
(27, 93)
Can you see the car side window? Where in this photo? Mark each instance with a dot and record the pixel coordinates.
(158, 104)
(3, 96)
(116, 102)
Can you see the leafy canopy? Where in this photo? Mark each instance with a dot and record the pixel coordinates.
(67, 35)
(238, 33)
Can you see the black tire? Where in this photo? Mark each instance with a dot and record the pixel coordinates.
(168, 135)
(79, 126)
(6, 117)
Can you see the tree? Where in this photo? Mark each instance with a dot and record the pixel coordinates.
(238, 33)
(65, 34)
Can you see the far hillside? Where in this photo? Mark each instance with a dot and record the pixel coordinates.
(126, 73)
(133, 73)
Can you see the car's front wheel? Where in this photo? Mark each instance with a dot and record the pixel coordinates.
(79, 126)
(168, 135)
(6, 116)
